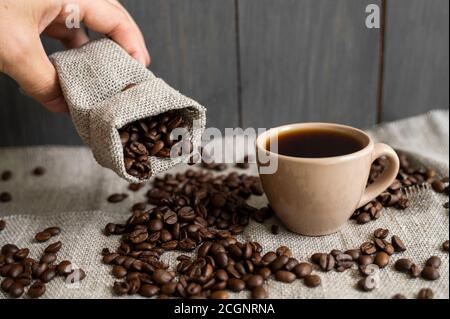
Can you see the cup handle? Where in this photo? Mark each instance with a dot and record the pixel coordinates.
(388, 176)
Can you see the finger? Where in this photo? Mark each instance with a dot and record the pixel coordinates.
(105, 18)
(36, 75)
(70, 38)
(144, 46)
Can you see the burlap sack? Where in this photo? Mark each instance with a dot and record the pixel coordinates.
(93, 78)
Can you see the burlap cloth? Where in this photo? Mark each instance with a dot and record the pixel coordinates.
(75, 184)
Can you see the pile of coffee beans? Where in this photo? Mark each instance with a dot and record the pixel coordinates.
(394, 196)
(21, 271)
(150, 137)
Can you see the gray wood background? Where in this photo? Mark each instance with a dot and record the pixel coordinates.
(262, 63)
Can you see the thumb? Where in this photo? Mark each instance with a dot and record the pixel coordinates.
(37, 76)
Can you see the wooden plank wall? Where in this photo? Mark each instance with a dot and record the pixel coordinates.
(262, 63)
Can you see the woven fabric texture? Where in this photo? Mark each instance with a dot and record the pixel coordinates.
(92, 80)
(72, 194)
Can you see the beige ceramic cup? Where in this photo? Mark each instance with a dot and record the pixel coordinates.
(317, 196)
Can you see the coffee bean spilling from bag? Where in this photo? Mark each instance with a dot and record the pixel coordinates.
(394, 196)
(149, 137)
(21, 271)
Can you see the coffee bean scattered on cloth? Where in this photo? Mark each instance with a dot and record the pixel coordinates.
(77, 203)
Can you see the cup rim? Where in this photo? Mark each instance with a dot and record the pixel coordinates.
(369, 144)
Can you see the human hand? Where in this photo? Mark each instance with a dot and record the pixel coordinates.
(23, 57)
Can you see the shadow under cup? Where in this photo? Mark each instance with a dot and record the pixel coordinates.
(315, 174)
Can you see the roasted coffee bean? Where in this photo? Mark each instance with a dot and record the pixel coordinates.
(269, 257)
(122, 288)
(285, 276)
(116, 198)
(312, 281)
(6, 176)
(16, 290)
(315, 258)
(302, 270)
(42, 236)
(48, 258)
(264, 272)
(283, 250)
(259, 293)
(119, 271)
(161, 276)
(221, 260)
(425, 293)
(39, 269)
(219, 294)
(36, 290)
(2, 224)
(434, 261)
(445, 246)
(38, 171)
(438, 186)
(398, 244)
(275, 229)
(7, 283)
(236, 284)
(365, 260)
(363, 218)
(327, 262)
(354, 253)
(254, 281)
(5, 197)
(381, 259)
(279, 263)
(292, 262)
(368, 248)
(446, 205)
(430, 273)
(53, 248)
(76, 275)
(15, 270)
(21, 254)
(403, 265)
(381, 233)
(64, 268)
(48, 275)
(54, 230)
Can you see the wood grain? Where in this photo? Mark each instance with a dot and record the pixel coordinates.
(416, 58)
(307, 60)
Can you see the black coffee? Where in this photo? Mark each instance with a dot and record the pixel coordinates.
(316, 143)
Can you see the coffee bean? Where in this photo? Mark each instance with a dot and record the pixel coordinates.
(367, 283)
(236, 284)
(36, 290)
(279, 262)
(381, 259)
(122, 288)
(16, 290)
(312, 281)
(438, 186)
(38, 171)
(48, 275)
(53, 248)
(2, 224)
(76, 275)
(446, 205)
(269, 257)
(327, 262)
(162, 276)
(39, 269)
(119, 271)
(403, 265)
(445, 246)
(292, 262)
(48, 258)
(116, 198)
(399, 296)
(42, 236)
(5, 197)
(398, 244)
(283, 250)
(21, 254)
(364, 218)
(365, 260)
(259, 293)
(6, 176)
(425, 293)
(354, 253)
(381, 233)
(7, 283)
(64, 268)
(285, 276)
(264, 272)
(254, 281)
(15, 270)
(219, 294)
(368, 248)
(434, 261)
(430, 273)
(302, 270)
(415, 271)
